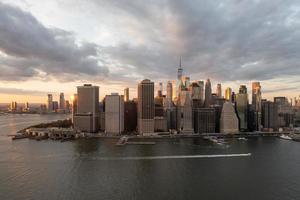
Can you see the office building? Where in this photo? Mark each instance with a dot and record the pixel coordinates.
(55, 105)
(269, 115)
(146, 107)
(184, 112)
(179, 79)
(126, 94)
(174, 90)
(160, 124)
(285, 112)
(201, 88)
(242, 102)
(114, 114)
(50, 103)
(13, 107)
(130, 117)
(26, 107)
(207, 101)
(228, 92)
(160, 90)
(256, 102)
(204, 120)
(87, 117)
(219, 90)
(229, 123)
(61, 101)
(169, 95)
(195, 91)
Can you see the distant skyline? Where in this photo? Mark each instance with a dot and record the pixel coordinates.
(54, 46)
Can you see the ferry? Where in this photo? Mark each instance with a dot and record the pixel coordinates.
(285, 137)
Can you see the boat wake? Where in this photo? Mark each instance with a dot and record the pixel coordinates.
(173, 157)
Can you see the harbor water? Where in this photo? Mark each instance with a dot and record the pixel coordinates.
(190, 168)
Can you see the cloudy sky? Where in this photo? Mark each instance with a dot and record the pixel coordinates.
(54, 46)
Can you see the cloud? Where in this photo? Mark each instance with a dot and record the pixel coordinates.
(216, 39)
(234, 40)
(16, 91)
(28, 49)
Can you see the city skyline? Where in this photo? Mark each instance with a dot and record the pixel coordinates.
(84, 46)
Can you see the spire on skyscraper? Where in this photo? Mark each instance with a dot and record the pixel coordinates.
(180, 63)
(180, 70)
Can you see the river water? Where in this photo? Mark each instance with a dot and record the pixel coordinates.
(260, 168)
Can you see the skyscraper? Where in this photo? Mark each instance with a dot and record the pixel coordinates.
(61, 101)
(130, 116)
(179, 78)
(26, 107)
(50, 103)
(179, 71)
(146, 107)
(285, 112)
(228, 92)
(184, 112)
(160, 90)
(204, 120)
(114, 114)
(269, 115)
(55, 106)
(174, 90)
(87, 117)
(201, 88)
(126, 94)
(169, 94)
(229, 121)
(243, 89)
(256, 102)
(242, 107)
(194, 90)
(207, 102)
(219, 90)
(13, 107)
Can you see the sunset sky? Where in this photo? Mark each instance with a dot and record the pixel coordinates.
(54, 46)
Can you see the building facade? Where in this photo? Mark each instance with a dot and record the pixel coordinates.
(146, 109)
(241, 104)
(126, 94)
(229, 123)
(219, 90)
(114, 114)
(256, 102)
(269, 115)
(87, 117)
(207, 101)
(204, 120)
(184, 112)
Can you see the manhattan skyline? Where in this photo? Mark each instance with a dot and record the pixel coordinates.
(52, 47)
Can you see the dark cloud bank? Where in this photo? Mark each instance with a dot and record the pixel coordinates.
(225, 40)
(36, 51)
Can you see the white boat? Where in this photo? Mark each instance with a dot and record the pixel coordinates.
(285, 137)
(242, 138)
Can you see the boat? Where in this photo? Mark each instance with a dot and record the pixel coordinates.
(242, 138)
(285, 137)
(122, 141)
